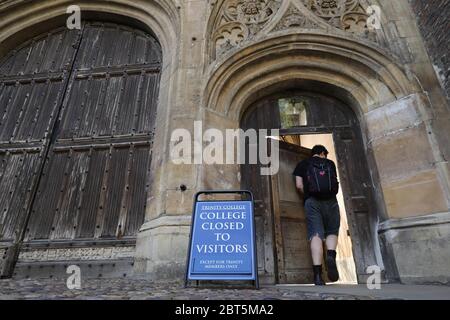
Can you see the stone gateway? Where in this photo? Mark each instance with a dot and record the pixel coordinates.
(87, 117)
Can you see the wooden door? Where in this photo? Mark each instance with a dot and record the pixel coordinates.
(85, 168)
(358, 193)
(264, 116)
(33, 80)
(291, 240)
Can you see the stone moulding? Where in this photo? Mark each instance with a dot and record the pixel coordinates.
(166, 221)
(414, 222)
(312, 56)
(77, 254)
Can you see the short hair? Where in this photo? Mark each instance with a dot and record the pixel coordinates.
(318, 149)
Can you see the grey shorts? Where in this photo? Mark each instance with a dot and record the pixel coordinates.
(322, 217)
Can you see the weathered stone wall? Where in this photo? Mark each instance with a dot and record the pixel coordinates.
(433, 20)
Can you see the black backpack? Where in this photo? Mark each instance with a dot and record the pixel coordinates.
(322, 177)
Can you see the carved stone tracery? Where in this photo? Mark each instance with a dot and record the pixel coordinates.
(240, 20)
(348, 15)
(294, 18)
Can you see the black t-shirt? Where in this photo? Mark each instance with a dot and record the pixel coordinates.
(300, 171)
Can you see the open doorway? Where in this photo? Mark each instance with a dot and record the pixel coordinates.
(345, 260)
(304, 119)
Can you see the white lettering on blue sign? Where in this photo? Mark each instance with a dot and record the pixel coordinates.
(222, 244)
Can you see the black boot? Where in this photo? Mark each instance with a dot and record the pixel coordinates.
(333, 273)
(318, 281)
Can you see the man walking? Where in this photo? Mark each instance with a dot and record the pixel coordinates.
(316, 178)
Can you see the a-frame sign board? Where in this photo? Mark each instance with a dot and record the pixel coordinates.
(222, 242)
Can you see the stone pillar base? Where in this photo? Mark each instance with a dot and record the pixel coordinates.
(420, 247)
(161, 248)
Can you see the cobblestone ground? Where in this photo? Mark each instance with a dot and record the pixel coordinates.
(138, 289)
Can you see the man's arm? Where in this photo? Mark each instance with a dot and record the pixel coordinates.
(299, 183)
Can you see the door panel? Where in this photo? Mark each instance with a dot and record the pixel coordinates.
(292, 247)
(32, 83)
(359, 202)
(252, 180)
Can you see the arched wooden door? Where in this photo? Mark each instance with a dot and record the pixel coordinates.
(76, 130)
(283, 252)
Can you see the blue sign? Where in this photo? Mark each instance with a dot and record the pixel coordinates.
(222, 241)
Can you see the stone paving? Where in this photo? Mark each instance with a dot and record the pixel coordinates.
(139, 289)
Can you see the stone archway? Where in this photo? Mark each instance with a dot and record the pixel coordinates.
(281, 225)
(363, 77)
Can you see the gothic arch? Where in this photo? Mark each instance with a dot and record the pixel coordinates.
(365, 73)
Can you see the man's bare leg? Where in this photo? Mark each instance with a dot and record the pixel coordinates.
(317, 256)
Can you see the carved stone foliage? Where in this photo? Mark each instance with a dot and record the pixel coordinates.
(240, 20)
(294, 18)
(348, 15)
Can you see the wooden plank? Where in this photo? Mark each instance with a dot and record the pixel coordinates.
(139, 181)
(129, 110)
(19, 59)
(71, 113)
(32, 63)
(10, 117)
(115, 189)
(47, 111)
(17, 212)
(127, 194)
(67, 49)
(97, 109)
(8, 187)
(147, 113)
(278, 231)
(100, 218)
(24, 124)
(124, 39)
(111, 104)
(92, 194)
(66, 221)
(89, 108)
(6, 95)
(47, 197)
(50, 55)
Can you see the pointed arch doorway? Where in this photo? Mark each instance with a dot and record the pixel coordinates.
(307, 117)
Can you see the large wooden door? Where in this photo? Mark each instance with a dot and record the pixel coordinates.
(77, 130)
(251, 179)
(291, 240)
(360, 205)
